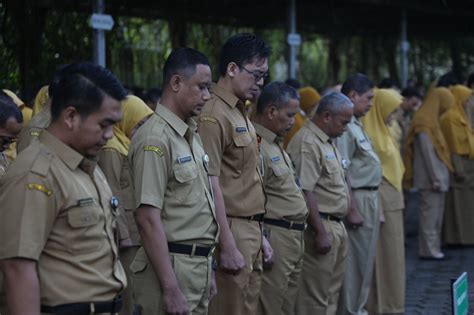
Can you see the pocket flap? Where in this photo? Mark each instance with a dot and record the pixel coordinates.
(140, 261)
(242, 139)
(79, 217)
(185, 172)
(280, 169)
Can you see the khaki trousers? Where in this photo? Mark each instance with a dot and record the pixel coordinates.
(361, 255)
(280, 284)
(431, 221)
(192, 272)
(126, 258)
(239, 294)
(387, 294)
(322, 275)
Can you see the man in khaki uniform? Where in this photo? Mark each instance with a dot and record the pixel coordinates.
(365, 175)
(319, 166)
(58, 252)
(230, 140)
(175, 210)
(285, 219)
(11, 121)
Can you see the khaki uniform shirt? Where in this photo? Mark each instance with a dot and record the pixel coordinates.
(319, 166)
(360, 159)
(31, 132)
(119, 176)
(56, 210)
(230, 140)
(284, 197)
(169, 172)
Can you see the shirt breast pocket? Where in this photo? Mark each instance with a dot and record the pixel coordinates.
(280, 169)
(333, 172)
(242, 142)
(86, 232)
(185, 176)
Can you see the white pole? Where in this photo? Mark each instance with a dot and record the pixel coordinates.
(99, 36)
(404, 47)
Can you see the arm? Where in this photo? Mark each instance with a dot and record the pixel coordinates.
(429, 155)
(22, 286)
(111, 163)
(156, 247)
(231, 260)
(322, 239)
(354, 218)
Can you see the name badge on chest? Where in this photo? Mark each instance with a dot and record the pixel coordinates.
(184, 159)
(240, 129)
(330, 157)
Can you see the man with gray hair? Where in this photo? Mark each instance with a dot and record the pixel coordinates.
(284, 221)
(319, 166)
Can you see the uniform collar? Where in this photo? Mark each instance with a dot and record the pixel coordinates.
(266, 134)
(356, 121)
(226, 96)
(68, 155)
(317, 131)
(174, 121)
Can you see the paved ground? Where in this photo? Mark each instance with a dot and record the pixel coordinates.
(428, 282)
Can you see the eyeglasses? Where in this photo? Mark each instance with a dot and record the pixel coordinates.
(6, 140)
(256, 74)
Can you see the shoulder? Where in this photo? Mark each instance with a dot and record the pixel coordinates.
(36, 159)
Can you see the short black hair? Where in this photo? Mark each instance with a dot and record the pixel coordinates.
(276, 93)
(448, 79)
(183, 61)
(411, 92)
(360, 83)
(152, 95)
(387, 83)
(242, 49)
(8, 109)
(470, 80)
(84, 85)
(293, 83)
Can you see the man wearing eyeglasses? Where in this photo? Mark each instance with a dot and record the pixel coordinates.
(11, 122)
(230, 140)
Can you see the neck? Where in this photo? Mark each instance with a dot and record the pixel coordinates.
(226, 84)
(169, 102)
(56, 130)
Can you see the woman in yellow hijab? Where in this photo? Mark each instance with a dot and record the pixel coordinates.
(428, 163)
(458, 217)
(309, 98)
(388, 286)
(113, 160)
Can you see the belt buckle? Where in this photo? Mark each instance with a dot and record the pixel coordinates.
(211, 252)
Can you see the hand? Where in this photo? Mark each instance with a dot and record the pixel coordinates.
(231, 261)
(127, 242)
(175, 302)
(323, 243)
(354, 219)
(382, 217)
(213, 287)
(267, 254)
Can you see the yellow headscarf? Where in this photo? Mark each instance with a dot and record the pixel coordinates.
(385, 101)
(309, 98)
(455, 124)
(426, 120)
(41, 98)
(133, 111)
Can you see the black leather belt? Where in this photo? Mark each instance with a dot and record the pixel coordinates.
(257, 217)
(84, 308)
(329, 217)
(286, 224)
(190, 249)
(371, 188)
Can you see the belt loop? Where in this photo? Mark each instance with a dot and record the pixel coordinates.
(92, 308)
(193, 251)
(291, 225)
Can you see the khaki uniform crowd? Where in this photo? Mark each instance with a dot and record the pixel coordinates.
(194, 208)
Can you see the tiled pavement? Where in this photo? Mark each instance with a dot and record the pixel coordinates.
(428, 290)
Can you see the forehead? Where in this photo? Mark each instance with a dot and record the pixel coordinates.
(292, 104)
(110, 108)
(368, 94)
(12, 126)
(202, 73)
(257, 63)
(345, 114)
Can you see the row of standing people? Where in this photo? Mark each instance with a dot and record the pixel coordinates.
(233, 184)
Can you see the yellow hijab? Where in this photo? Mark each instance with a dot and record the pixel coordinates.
(456, 126)
(426, 120)
(41, 98)
(133, 111)
(385, 101)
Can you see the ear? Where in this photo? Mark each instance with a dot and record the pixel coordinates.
(175, 82)
(326, 116)
(272, 111)
(352, 95)
(70, 117)
(232, 69)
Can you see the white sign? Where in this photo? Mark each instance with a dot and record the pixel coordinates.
(294, 39)
(101, 21)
